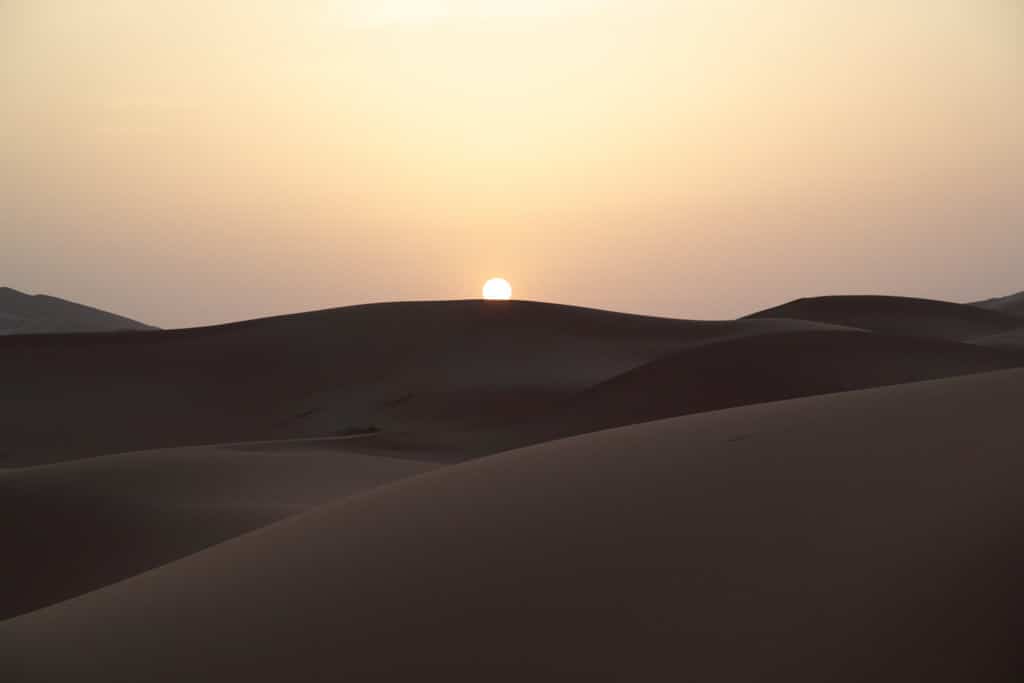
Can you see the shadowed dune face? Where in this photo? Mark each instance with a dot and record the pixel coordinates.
(1011, 341)
(897, 315)
(89, 523)
(447, 365)
(763, 368)
(1011, 305)
(861, 536)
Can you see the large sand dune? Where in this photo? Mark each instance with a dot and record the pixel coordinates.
(602, 554)
(456, 378)
(449, 366)
(761, 368)
(898, 315)
(869, 535)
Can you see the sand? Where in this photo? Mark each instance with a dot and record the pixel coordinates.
(762, 368)
(385, 491)
(1012, 304)
(86, 524)
(22, 313)
(457, 379)
(868, 535)
(898, 315)
(1012, 340)
(446, 366)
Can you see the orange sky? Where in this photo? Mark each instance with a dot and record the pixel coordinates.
(192, 162)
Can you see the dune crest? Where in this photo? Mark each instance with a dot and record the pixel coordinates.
(1012, 304)
(897, 315)
(41, 314)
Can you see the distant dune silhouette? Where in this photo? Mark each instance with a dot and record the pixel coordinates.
(762, 368)
(898, 315)
(1013, 304)
(518, 491)
(40, 314)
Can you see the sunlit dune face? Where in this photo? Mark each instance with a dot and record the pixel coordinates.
(497, 289)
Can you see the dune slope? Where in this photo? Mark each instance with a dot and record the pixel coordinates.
(897, 315)
(76, 526)
(40, 314)
(1011, 341)
(756, 369)
(1012, 305)
(869, 535)
(444, 366)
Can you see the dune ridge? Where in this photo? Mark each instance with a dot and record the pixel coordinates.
(22, 313)
(1012, 304)
(763, 368)
(319, 374)
(897, 315)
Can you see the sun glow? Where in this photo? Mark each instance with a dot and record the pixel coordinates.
(497, 289)
(369, 13)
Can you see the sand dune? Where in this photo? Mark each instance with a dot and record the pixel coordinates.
(1012, 305)
(868, 535)
(416, 384)
(90, 523)
(40, 314)
(98, 520)
(757, 369)
(450, 366)
(1012, 340)
(451, 378)
(897, 315)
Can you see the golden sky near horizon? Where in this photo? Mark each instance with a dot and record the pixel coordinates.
(192, 162)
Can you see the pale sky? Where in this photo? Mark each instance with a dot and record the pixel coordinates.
(189, 162)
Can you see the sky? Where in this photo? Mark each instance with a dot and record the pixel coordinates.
(189, 162)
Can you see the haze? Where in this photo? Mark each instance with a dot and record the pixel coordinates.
(188, 162)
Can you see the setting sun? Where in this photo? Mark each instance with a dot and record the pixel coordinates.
(497, 289)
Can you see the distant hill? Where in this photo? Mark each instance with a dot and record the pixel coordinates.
(898, 315)
(22, 313)
(1013, 304)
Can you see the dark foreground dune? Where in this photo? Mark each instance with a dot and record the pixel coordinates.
(870, 535)
(898, 315)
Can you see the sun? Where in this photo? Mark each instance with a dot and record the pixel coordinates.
(497, 289)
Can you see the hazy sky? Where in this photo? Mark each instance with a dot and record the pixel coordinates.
(186, 162)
